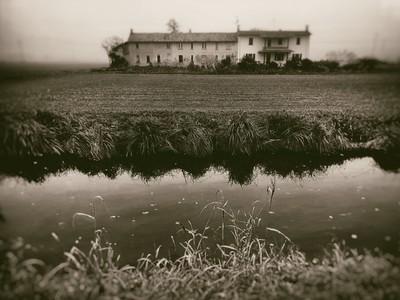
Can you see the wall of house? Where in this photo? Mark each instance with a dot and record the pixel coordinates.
(303, 48)
(259, 43)
(244, 47)
(170, 56)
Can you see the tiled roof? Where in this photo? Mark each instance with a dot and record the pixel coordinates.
(184, 37)
(274, 34)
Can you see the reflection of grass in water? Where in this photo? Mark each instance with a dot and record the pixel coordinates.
(240, 168)
(248, 267)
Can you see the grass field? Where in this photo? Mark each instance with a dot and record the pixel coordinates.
(115, 93)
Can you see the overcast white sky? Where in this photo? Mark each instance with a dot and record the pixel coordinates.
(72, 30)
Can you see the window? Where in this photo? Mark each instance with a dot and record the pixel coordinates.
(125, 49)
(148, 59)
(191, 46)
(158, 58)
(298, 41)
(250, 41)
(296, 56)
(191, 58)
(269, 42)
(279, 56)
(181, 58)
(138, 59)
(137, 45)
(203, 45)
(251, 55)
(180, 45)
(216, 46)
(168, 45)
(279, 41)
(228, 46)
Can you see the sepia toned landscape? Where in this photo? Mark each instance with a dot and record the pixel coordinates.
(194, 165)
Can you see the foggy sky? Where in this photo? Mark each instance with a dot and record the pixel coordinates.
(72, 30)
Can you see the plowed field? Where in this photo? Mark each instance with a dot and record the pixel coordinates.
(113, 93)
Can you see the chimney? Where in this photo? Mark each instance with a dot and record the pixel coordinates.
(190, 30)
(131, 31)
(307, 28)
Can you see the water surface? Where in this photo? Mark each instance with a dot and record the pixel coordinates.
(357, 202)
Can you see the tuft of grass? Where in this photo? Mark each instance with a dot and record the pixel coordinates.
(243, 135)
(189, 138)
(26, 137)
(325, 139)
(145, 136)
(292, 133)
(84, 138)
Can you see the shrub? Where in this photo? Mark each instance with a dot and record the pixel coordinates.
(225, 66)
(118, 61)
(307, 65)
(247, 63)
(293, 64)
(330, 64)
(320, 68)
(363, 64)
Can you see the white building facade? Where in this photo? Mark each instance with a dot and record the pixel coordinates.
(206, 49)
(274, 46)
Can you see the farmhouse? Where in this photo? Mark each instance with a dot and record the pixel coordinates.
(206, 49)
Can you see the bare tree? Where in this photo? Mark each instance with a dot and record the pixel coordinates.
(110, 43)
(173, 26)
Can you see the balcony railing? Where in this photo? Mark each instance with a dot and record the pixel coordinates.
(275, 47)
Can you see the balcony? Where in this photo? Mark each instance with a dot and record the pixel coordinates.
(284, 49)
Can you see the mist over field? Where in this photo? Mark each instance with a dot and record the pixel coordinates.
(72, 31)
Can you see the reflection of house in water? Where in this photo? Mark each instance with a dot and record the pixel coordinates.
(182, 48)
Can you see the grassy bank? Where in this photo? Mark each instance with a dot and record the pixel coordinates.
(196, 134)
(238, 259)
